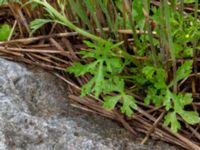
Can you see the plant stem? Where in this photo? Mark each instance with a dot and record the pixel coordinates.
(173, 3)
(181, 7)
(195, 39)
(148, 25)
(170, 42)
(133, 26)
(63, 20)
(196, 8)
(163, 50)
(92, 9)
(105, 9)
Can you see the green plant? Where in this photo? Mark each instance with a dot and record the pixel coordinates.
(2, 2)
(105, 69)
(159, 93)
(5, 32)
(113, 69)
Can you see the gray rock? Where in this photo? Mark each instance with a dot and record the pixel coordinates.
(35, 115)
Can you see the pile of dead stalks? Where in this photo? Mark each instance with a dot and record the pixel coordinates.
(55, 48)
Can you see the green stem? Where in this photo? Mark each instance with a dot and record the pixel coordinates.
(195, 38)
(148, 25)
(63, 20)
(132, 22)
(164, 52)
(182, 7)
(196, 8)
(170, 42)
(173, 3)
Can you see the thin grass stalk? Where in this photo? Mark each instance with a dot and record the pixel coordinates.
(148, 25)
(124, 10)
(196, 9)
(63, 20)
(173, 4)
(182, 7)
(92, 10)
(195, 39)
(113, 15)
(164, 52)
(124, 37)
(170, 41)
(132, 22)
(115, 20)
(68, 12)
(105, 10)
(79, 10)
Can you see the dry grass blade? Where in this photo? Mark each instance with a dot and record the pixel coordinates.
(34, 39)
(153, 127)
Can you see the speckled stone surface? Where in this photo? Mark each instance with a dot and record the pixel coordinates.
(35, 115)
